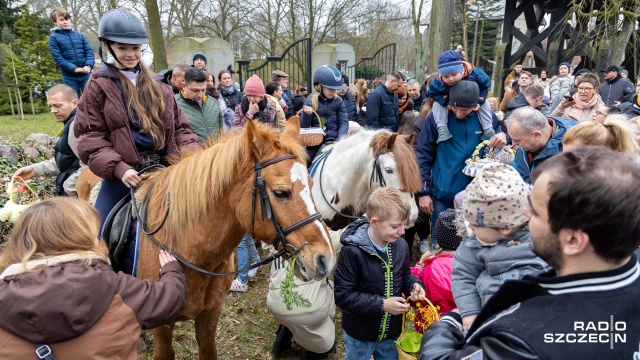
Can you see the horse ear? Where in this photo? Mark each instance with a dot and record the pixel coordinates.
(409, 138)
(257, 138)
(391, 141)
(293, 127)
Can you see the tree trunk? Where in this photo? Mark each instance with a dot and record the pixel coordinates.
(155, 35)
(439, 31)
(421, 54)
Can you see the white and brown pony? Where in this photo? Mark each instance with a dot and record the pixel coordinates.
(357, 165)
(209, 202)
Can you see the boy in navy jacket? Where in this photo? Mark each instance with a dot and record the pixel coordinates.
(71, 51)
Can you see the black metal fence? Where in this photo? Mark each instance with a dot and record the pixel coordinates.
(374, 69)
(295, 61)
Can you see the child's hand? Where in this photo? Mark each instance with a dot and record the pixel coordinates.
(417, 292)
(307, 109)
(86, 69)
(467, 321)
(165, 257)
(395, 305)
(77, 70)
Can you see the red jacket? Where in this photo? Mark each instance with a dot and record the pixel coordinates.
(436, 276)
(105, 142)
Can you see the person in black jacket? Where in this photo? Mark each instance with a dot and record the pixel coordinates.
(326, 104)
(232, 96)
(382, 106)
(373, 277)
(62, 101)
(349, 99)
(615, 87)
(586, 308)
(282, 78)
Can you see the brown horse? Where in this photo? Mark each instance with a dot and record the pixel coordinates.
(210, 198)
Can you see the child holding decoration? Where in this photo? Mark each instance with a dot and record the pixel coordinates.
(373, 277)
(500, 248)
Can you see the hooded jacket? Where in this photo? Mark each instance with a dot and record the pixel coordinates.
(439, 91)
(363, 280)
(615, 89)
(561, 84)
(232, 96)
(334, 113)
(164, 77)
(206, 121)
(70, 50)
(479, 271)
(630, 108)
(525, 166)
(84, 312)
(105, 140)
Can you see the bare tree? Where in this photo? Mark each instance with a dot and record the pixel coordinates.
(439, 30)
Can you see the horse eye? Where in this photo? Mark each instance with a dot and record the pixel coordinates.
(388, 170)
(281, 194)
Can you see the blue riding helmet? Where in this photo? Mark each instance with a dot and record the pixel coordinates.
(329, 77)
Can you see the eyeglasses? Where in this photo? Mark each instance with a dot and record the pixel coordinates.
(584, 90)
(598, 112)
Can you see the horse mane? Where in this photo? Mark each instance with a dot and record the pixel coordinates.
(405, 157)
(197, 180)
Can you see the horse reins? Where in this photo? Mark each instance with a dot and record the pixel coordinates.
(376, 175)
(260, 190)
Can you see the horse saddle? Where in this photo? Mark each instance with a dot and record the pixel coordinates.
(116, 231)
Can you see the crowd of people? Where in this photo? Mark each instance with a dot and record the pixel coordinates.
(512, 257)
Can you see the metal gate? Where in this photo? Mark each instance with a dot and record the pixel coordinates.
(295, 61)
(374, 69)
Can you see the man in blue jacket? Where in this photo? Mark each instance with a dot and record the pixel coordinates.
(71, 51)
(537, 137)
(382, 105)
(441, 164)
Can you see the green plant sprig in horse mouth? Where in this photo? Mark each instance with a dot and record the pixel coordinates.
(290, 297)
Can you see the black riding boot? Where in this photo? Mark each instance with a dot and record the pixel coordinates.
(283, 341)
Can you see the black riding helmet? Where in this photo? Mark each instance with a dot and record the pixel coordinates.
(121, 26)
(329, 77)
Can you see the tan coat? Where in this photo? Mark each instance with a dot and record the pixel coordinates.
(574, 113)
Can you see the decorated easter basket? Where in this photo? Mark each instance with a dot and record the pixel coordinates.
(311, 136)
(21, 197)
(408, 343)
(505, 155)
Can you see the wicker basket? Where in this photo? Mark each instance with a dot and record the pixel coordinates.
(403, 354)
(474, 164)
(311, 136)
(13, 208)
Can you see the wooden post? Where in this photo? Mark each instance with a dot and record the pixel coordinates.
(19, 101)
(11, 102)
(33, 109)
(498, 71)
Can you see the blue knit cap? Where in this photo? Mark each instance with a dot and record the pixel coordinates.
(199, 55)
(565, 64)
(449, 62)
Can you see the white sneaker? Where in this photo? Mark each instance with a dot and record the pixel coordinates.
(237, 285)
(252, 273)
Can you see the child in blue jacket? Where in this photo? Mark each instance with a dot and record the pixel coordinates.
(71, 51)
(451, 70)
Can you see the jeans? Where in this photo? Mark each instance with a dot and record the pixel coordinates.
(438, 207)
(246, 250)
(111, 191)
(77, 82)
(362, 350)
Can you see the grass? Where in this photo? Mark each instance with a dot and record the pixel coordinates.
(15, 129)
(246, 329)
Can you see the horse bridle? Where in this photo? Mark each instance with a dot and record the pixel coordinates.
(376, 175)
(260, 190)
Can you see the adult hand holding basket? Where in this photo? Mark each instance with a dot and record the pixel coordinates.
(311, 136)
(21, 197)
(476, 162)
